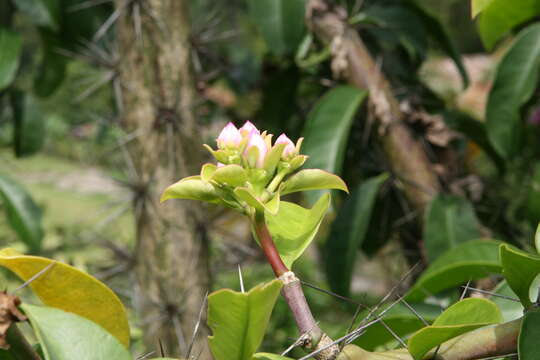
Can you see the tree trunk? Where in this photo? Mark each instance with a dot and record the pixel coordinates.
(158, 108)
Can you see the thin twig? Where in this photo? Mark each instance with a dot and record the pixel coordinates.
(494, 294)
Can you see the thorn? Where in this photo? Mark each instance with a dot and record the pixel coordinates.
(396, 336)
(465, 290)
(241, 279)
(414, 312)
(146, 356)
(161, 351)
(328, 292)
(196, 329)
(36, 276)
(494, 294)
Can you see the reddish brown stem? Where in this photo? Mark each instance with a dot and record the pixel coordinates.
(268, 246)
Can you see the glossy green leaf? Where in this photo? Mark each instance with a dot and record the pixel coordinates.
(313, 179)
(294, 227)
(348, 232)
(401, 320)
(468, 261)
(268, 356)
(231, 175)
(11, 45)
(510, 310)
(478, 5)
(501, 16)
(280, 22)
(238, 320)
(327, 130)
(449, 221)
(22, 212)
(464, 316)
(67, 336)
(537, 238)
(41, 12)
(519, 270)
(515, 81)
(65, 287)
(529, 335)
(29, 130)
(192, 188)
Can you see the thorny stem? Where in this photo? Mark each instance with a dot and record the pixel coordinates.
(293, 294)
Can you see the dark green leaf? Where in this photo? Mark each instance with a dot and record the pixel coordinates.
(294, 227)
(500, 16)
(449, 221)
(52, 69)
(23, 214)
(348, 232)
(11, 45)
(532, 205)
(529, 335)
(464, 316)
(281, 23)
(41, 12)
(238, 320)
(519, 270)
(29, 130)
(515, 81)
(67, 336)
(468, 261)
(327, 130)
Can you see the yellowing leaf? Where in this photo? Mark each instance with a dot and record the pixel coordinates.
(67, 288)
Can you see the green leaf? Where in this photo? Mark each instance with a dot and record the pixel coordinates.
(238, 320)
(267, 356)
(11, 45)
(511, 310)
(67, 336)
(29, 130)
(501, 16)
(348, 232)
(52, 69)
(532, 202)
(207, 170)
(280, 22)
(449, 221)
(537, 238)
(464, 316)
(65, 287)
(192, 188)
(23, 214)
(468, 261)
(327, 130)
(41, 12)
(313, 179)
(231, 175)
(402, 322)
(477, 6)
(515, 81)
(519, 270)
(247, 195)
(529, 335)
(294, 227)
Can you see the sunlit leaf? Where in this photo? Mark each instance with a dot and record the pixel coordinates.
(478, 5)
(464, 316)
(191, 188)
(238, 320)
(65, 287)
(22, 212)
(515, 81)
(313, 179)
(468, 261)
(268, 356)
(67, 336)
(294, 227)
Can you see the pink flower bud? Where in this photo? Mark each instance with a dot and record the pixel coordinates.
(289, 149)
(248, 128)
(229, 137)
(256, 140)
(220, 164)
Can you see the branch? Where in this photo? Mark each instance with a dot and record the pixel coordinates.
(352, 60)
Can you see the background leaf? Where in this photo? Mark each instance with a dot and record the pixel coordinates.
(478, 5)
(41, 12)
(529, 335)
(11, 45)
(327, 130)
(67, 336)
(67, 288)
(22, 212)
(52, 69)
(449, 221)
(500, 16)
(510, 310)
(294, 227)
(29, 130)
(267, 356)
(515, 81)
(238, 320)
(281, 23)
(464, 316)
(468, 261)
(519, 270)
(348, 232)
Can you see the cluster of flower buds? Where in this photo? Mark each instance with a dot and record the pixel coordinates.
(251, 173)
